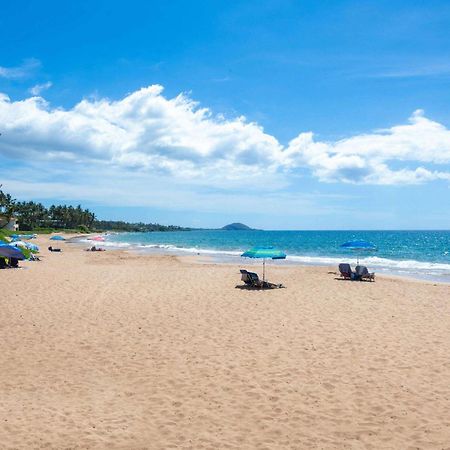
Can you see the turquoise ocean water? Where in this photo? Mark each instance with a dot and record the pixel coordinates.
(418, 254)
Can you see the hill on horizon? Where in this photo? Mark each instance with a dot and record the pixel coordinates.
(236, 226)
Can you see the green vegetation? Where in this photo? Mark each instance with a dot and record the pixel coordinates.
(35, 217)
(236, 227)
(109, 225)
(3, 235)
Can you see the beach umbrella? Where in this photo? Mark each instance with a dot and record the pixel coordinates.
(28, 245)
(32, 247)
(98, 238)
(359, 247)
(9, 251)
(57, 238)
(264, 253)
(19, 237)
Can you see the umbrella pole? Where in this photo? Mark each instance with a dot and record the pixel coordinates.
(264, 270)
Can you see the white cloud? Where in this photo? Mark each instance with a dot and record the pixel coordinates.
(142, 131)
(366, 158)
(174, 138)
(25, 69)
(38, 88)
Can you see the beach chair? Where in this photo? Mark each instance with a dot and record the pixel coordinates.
(251, 279)
(346, 271)
(51, 249)
(362, 273)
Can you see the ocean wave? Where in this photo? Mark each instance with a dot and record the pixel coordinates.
(385, 265)
(105, 243)
(375, 261)
(196, 250)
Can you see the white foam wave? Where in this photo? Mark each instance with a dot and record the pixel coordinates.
(406, 264)
(412, 268)
(386, 265)
(195, 250)
(375, 262)
(105, 243)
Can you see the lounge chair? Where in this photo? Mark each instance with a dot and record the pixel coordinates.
(362, 273)
(251, 279)
(346, 271)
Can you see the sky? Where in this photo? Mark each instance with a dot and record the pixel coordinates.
(280, 114)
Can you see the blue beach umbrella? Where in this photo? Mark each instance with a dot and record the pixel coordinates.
(264, 253)
(33, 247)
(9, 251)
(360, 247)
(57, 238)
(19, 237)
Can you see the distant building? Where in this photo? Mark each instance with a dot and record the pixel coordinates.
(8, 223)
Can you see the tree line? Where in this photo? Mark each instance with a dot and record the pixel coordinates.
(112, 225)
(31, 215)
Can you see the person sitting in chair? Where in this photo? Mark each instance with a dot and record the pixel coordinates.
(13, 262)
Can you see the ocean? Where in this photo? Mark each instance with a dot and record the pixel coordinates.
(416, 254)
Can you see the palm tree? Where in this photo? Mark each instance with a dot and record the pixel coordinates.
(7, 205)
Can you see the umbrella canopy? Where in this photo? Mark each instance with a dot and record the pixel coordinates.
(359, 246)
(98, 238)
(28, 245)
(9, 251)
(57, 238)
(16, 237)
(32, 247)
(264, 253)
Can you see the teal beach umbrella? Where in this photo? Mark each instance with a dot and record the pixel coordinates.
(264, 253)
(57, 238)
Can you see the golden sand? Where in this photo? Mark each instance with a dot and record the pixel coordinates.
(120, 351)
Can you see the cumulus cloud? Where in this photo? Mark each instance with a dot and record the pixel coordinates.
(25, 69)
(38, 88)
(151, 134)
(366, 158)
(143, 131)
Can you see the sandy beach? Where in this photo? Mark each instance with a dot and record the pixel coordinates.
(114, 350)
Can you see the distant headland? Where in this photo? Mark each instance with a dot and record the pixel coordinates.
(236, 227)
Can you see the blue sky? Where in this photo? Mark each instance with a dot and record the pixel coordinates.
(280, 114)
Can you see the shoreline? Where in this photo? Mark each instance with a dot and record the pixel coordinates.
(224, 257)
